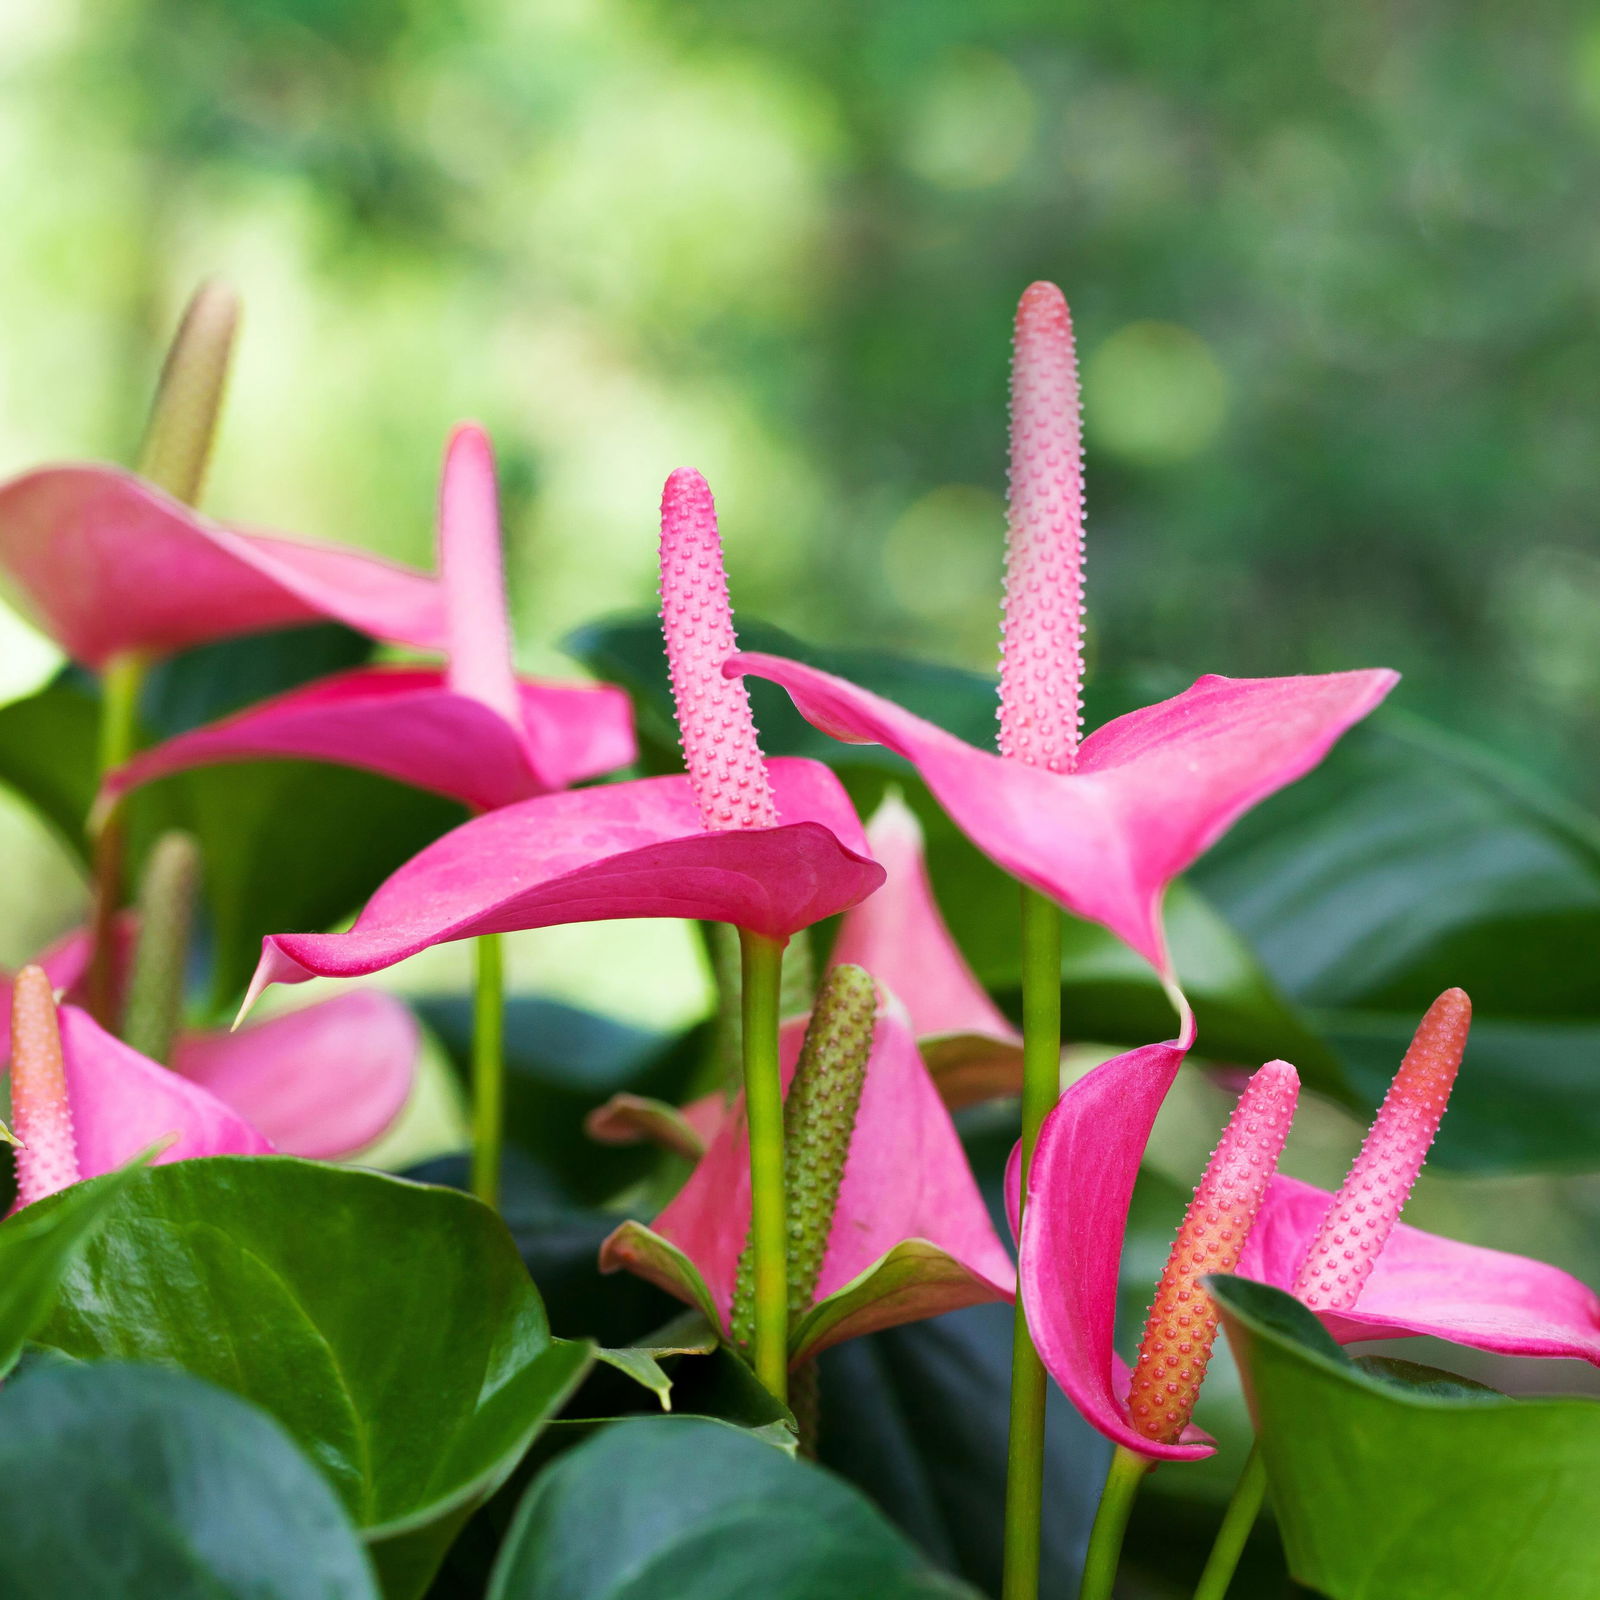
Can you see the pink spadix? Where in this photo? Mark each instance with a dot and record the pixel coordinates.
(1368, 1205)
(1041, 647)
(1182, 1326)
(47, 1158)
(720, 750)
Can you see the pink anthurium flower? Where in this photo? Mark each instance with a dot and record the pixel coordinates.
(472, 729)
(769, 847)
(323, 1082)
(910, 1235)
(1289, 1234)
(1101, 826)
(85, 1104)
(109, 563)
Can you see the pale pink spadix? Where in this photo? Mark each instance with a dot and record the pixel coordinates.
(1041, 638)
(726, 771)
(1368, 1205)
(473, 570)
(1182, 1326)
(47, 1157)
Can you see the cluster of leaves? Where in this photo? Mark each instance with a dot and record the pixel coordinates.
(300, 1379)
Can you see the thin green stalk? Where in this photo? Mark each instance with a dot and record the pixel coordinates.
(1232, 1536)
(488, 1065)
(1041, 1086)
(121, 681)
(762, 968)
(1127, 1472)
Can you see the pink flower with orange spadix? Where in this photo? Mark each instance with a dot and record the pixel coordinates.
(85, 1104)
(1101, 824)
(767, 846)
(1346, 1256)
(472, 730)
(324, 1081)
(112, 563)
(886, 1222)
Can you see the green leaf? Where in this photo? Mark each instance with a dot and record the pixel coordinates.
(391, 1328)
(1413, 1492)
(681, 1509)
(124, 1482)
(1411, 861)
(47, 756)
(38, 1244)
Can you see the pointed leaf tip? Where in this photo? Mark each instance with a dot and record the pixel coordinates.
(1182, 1326)
(1347, 1245)
(720, 749)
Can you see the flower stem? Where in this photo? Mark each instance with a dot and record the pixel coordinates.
(120, 683)
(1111, 1522)
(1237, 1521)
(1041, 1087)
(762, 967)
(488, 1065)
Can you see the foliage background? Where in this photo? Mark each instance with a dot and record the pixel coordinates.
(1336, 281)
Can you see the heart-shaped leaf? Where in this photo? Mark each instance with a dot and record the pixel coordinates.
(123, 1482)
(391, 1328)
(1385, 1486)
(682, 1509)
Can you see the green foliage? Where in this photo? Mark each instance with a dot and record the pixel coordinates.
(1400, 1483)
(668, 1508)
(125, 1482)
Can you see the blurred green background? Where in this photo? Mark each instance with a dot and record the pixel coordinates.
(1335, 278)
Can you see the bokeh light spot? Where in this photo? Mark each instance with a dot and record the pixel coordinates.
(972, 123)
(1153, 392)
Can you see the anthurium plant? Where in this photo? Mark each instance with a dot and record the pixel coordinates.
(840, 1289)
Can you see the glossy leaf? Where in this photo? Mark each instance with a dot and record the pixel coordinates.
(672, 1508)
(389, 1327)
(1386, 1487)
(123, 1482)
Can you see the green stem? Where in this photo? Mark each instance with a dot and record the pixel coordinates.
(1111, 1522)
(1237, 1521)
(762, 969)
(120, 682)
(488, 1065)
(1041, 1087)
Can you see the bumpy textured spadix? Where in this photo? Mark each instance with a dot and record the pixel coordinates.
(1182, 1325)
(1041, 651)
(473, 730)
(47, 1159)
(726, 771)
(1368, 1204)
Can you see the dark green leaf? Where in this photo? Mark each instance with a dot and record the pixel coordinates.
(47, 756)
(123, 1483)
(673, 1508)
(391, 1328)
(1407, 1492)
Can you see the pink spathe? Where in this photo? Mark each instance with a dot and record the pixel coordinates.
(720, 750)
(472, 730)
(109, 563)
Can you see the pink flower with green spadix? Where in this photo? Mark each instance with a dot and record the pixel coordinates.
(886, 1222)
(1101, 826)
(323, 1081)
(770, 847)
(472, 729)
(1368, 1275)
(85, 1104)
(111, 563)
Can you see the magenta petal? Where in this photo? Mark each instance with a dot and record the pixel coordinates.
(1151, 791)
(1080, 1186)
(636, 849)
(1425, 1284)
(899, 936)
(322, 1082)
(122, 1103)
(906, 1179)
(406, 724)
(110, 563)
